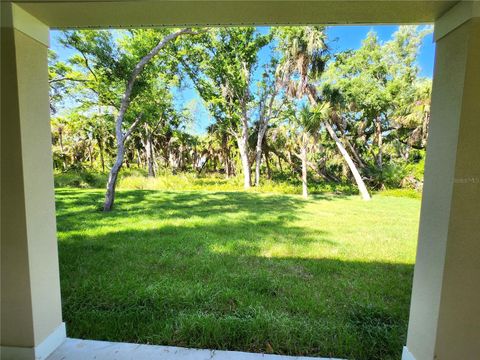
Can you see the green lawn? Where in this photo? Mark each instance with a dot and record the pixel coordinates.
(330, 276)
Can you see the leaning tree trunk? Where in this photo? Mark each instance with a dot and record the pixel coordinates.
(112, 178)
(353, 168)
(358, 178)
(354, 152)
(119, 134)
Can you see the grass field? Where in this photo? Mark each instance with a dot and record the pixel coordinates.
(330, 276)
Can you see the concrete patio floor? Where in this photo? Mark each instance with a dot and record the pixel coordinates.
(76, 349)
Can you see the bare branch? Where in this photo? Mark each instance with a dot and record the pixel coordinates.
(132, 127)
(140, 66)
(66, 79)
(125, 102)
(297, 155)
(87, 64)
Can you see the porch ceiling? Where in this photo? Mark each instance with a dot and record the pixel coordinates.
(131, 13)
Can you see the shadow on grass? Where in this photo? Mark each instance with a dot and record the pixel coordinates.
(74, 207)
(207, 283)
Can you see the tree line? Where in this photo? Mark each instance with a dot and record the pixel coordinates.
(358, 116)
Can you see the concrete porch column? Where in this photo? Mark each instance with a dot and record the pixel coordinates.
(445, 308)
(31, 320)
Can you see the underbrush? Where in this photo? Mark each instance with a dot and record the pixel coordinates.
(408, 193)
(80, 179)
(90, 179)
(137, 179)
(217, 182)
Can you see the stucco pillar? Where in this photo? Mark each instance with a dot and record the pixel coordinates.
(445, 308)
(31, 321)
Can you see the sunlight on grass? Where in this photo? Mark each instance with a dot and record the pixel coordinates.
(330, 276)
(343, 229)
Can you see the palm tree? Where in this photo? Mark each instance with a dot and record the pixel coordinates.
(306, 128)
(305, 53)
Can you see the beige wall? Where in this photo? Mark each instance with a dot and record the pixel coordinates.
(458, 334)
(30, 291)
(15, 277)
(444, 316)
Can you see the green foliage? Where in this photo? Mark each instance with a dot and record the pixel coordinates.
(406, 193)
(304, 55)
(373, 98)
(136, 179)
(382, 104)
(80, 179)
(220, 66)
(91, 179)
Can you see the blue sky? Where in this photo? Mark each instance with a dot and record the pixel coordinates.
(345, 37)
(350, 37)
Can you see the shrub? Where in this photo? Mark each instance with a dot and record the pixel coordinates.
(80, 179)
(409, 193)
(137, 179)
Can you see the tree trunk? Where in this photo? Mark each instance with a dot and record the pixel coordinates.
(100, 148)
(242, 141)
(426, 121)
(267, 163)
(90, 153)
(225, 155)
(227, 167)
(149, 153)
(303, 156)
(112, 179)
(380, 144)
(280, 163)
(316, 169)
(120, 136)
(242, 147)
(258, 150)
(354, 152)
(358, 178)
(290, 162)
(60, 139)
(265, 115)
(258, 163)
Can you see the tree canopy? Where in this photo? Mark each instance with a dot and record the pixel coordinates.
(281, 101)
